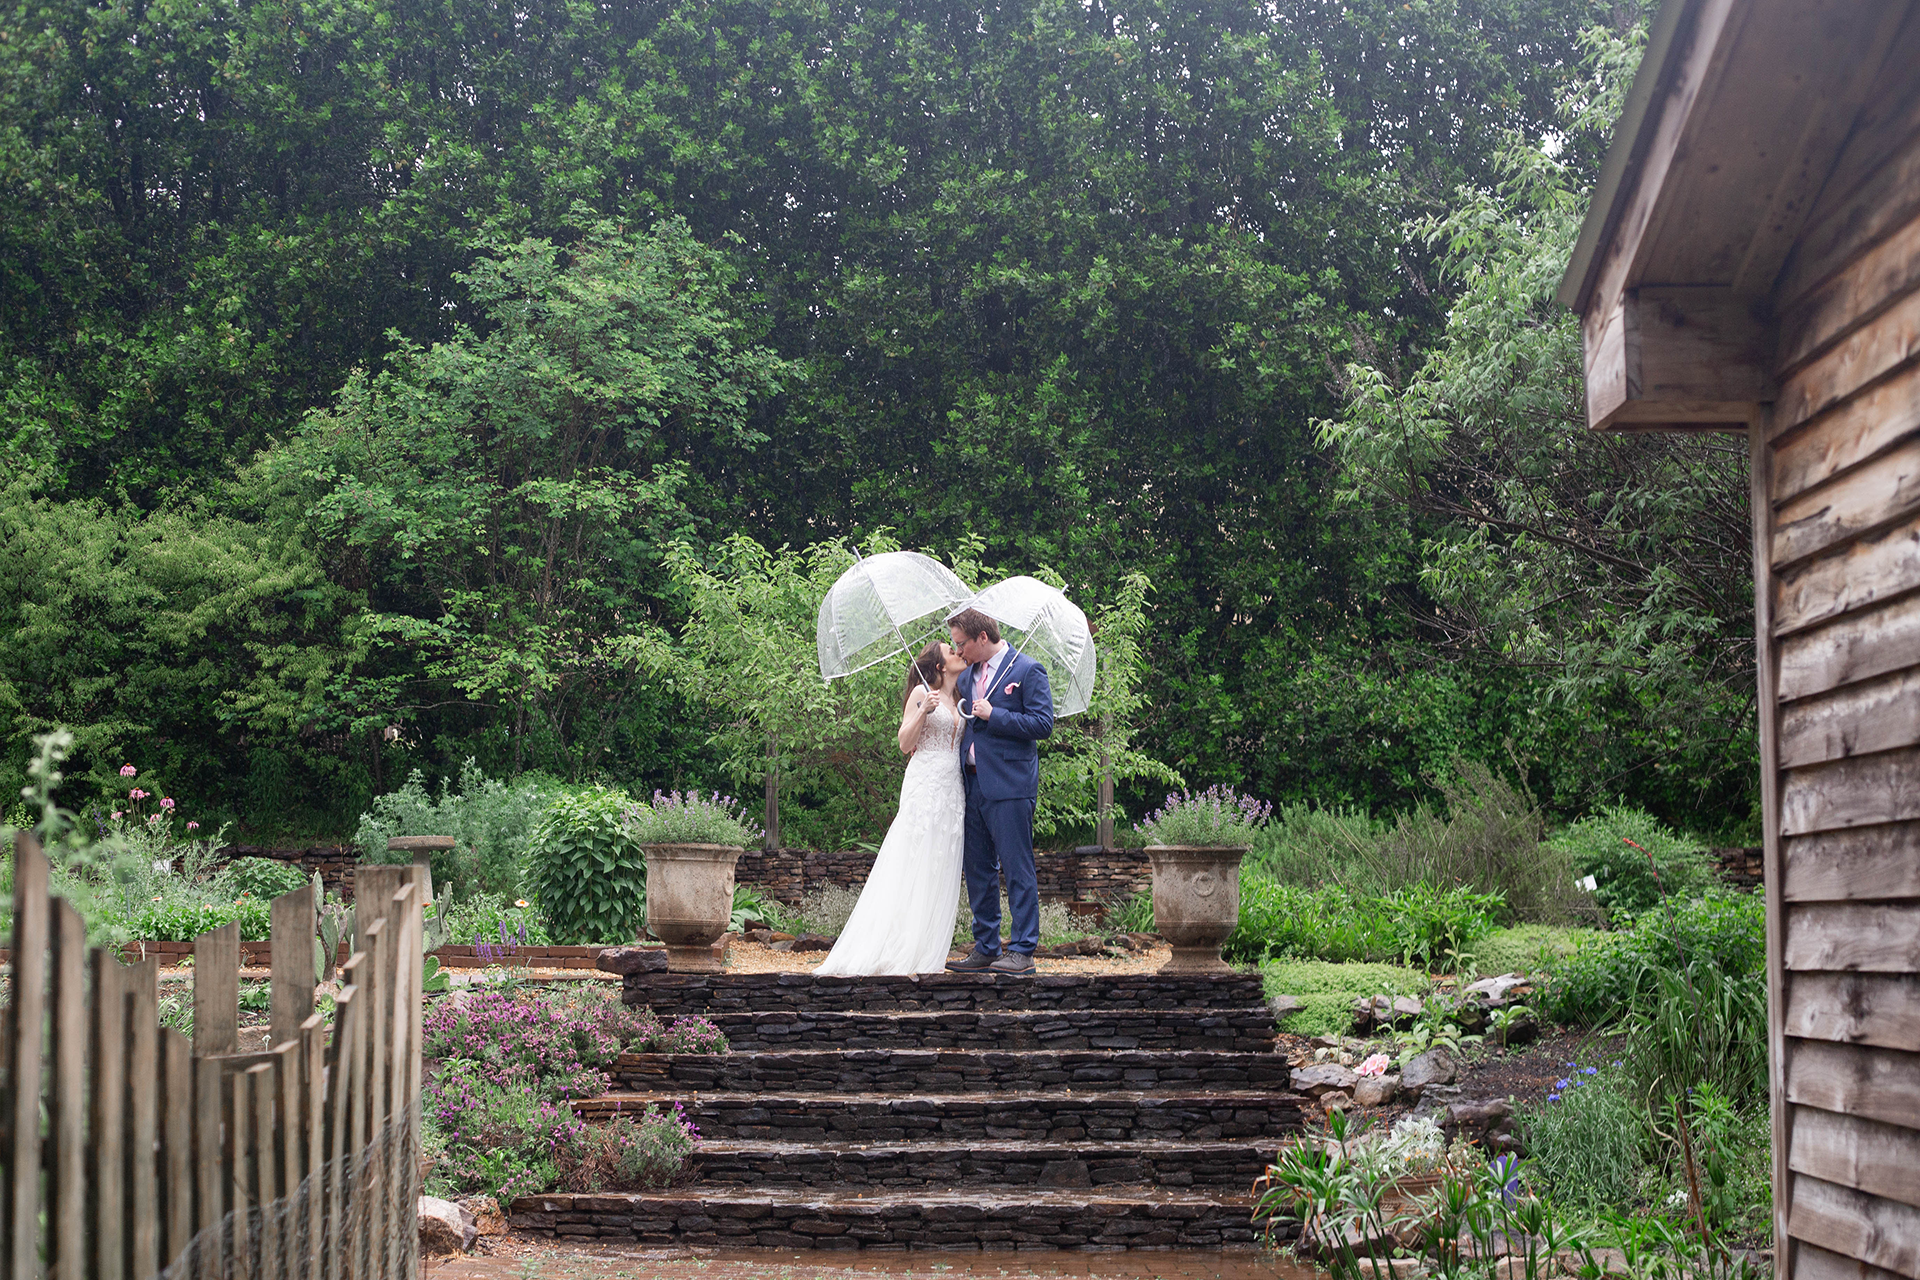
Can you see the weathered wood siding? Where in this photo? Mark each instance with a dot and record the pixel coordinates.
(1838, 568)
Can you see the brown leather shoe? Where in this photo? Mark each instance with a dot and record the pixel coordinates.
(1013, 964)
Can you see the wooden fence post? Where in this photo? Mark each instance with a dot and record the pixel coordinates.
(106, 1149)
(292, 950)
(176, 1110)
(209, 1165)
(67, 1203)
(216, 991)
(30, 926)
(143, 1117)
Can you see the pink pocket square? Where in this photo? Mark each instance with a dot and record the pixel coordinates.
(1010, 688)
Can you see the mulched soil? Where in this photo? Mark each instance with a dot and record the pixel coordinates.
(1524, 1073)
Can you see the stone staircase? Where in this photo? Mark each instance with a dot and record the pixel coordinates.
(953, 1111)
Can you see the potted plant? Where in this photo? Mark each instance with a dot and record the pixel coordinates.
(692, 843)
(1195, 843)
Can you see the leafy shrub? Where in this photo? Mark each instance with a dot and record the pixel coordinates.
(492, 821)
(677, 818)
(490, 1129)
(690, 1034)
(1216, 817)
(488, 919)
(1132, 913)
(634, 1151)
(1700, 1026)
(825, 908)
(183, 921)
(1332, 923)
(1589, 1139)
(1306, 845)
(753, 907)
(1433, 926)
(586, 870)
(1619, 972)
(1490, 840)
(265, 878)
(1628, 883)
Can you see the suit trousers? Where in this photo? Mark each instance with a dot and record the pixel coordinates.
(999, 837)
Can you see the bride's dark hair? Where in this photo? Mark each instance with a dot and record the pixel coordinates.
(930, 665)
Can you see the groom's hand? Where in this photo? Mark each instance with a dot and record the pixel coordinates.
(982, 709)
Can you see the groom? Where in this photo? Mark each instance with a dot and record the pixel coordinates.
(1009, 708)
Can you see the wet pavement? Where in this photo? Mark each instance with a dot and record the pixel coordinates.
(515, 1259)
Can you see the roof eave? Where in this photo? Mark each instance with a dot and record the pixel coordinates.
(1631, 134)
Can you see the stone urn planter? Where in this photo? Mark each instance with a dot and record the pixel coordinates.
(1196, 903)
(690, 901)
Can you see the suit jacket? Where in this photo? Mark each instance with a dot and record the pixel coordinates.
(1006, 746)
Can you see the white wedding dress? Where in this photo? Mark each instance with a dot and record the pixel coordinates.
(903, 922)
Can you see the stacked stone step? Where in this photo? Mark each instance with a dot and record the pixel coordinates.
(967, 1111)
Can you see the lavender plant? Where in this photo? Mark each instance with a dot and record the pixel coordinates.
(676, 817)
(1218, 817)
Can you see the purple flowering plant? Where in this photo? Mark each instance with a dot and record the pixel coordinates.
(1218, 817)
(676, 817)
(510, 1063)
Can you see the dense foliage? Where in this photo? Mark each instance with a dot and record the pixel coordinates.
(362, 364)
(586, 871)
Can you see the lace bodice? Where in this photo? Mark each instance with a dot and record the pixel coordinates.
(940, 731)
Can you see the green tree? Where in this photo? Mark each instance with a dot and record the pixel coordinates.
(507, 496)
(1614, 567)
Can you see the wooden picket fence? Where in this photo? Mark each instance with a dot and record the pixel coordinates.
(129, 1151)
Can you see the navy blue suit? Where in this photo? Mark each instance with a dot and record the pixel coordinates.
(1000, 762)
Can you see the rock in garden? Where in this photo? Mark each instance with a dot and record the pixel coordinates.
(813, 942)
(1407, 1008)
(1281, 1006)
(1495, 990)
(1476, 1119)
(1435, 1066)
(1325, 1042)
(628, 960)
(785, 944)
(761, 936)
(487, 1214)
(1145, 941)
(777, 936)
(445, 1227)
(1375, 1091)
(1323, 1078)
(1369, 1011)
(1338, 1100)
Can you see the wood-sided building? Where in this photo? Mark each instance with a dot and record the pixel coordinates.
(1751, 263)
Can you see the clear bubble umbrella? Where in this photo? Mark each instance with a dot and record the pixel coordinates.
(885, 605)
(1042, 623)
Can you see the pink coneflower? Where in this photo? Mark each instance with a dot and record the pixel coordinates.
(166, 802)
(127, 771)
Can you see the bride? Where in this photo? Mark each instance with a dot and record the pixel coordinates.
(903, 922)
